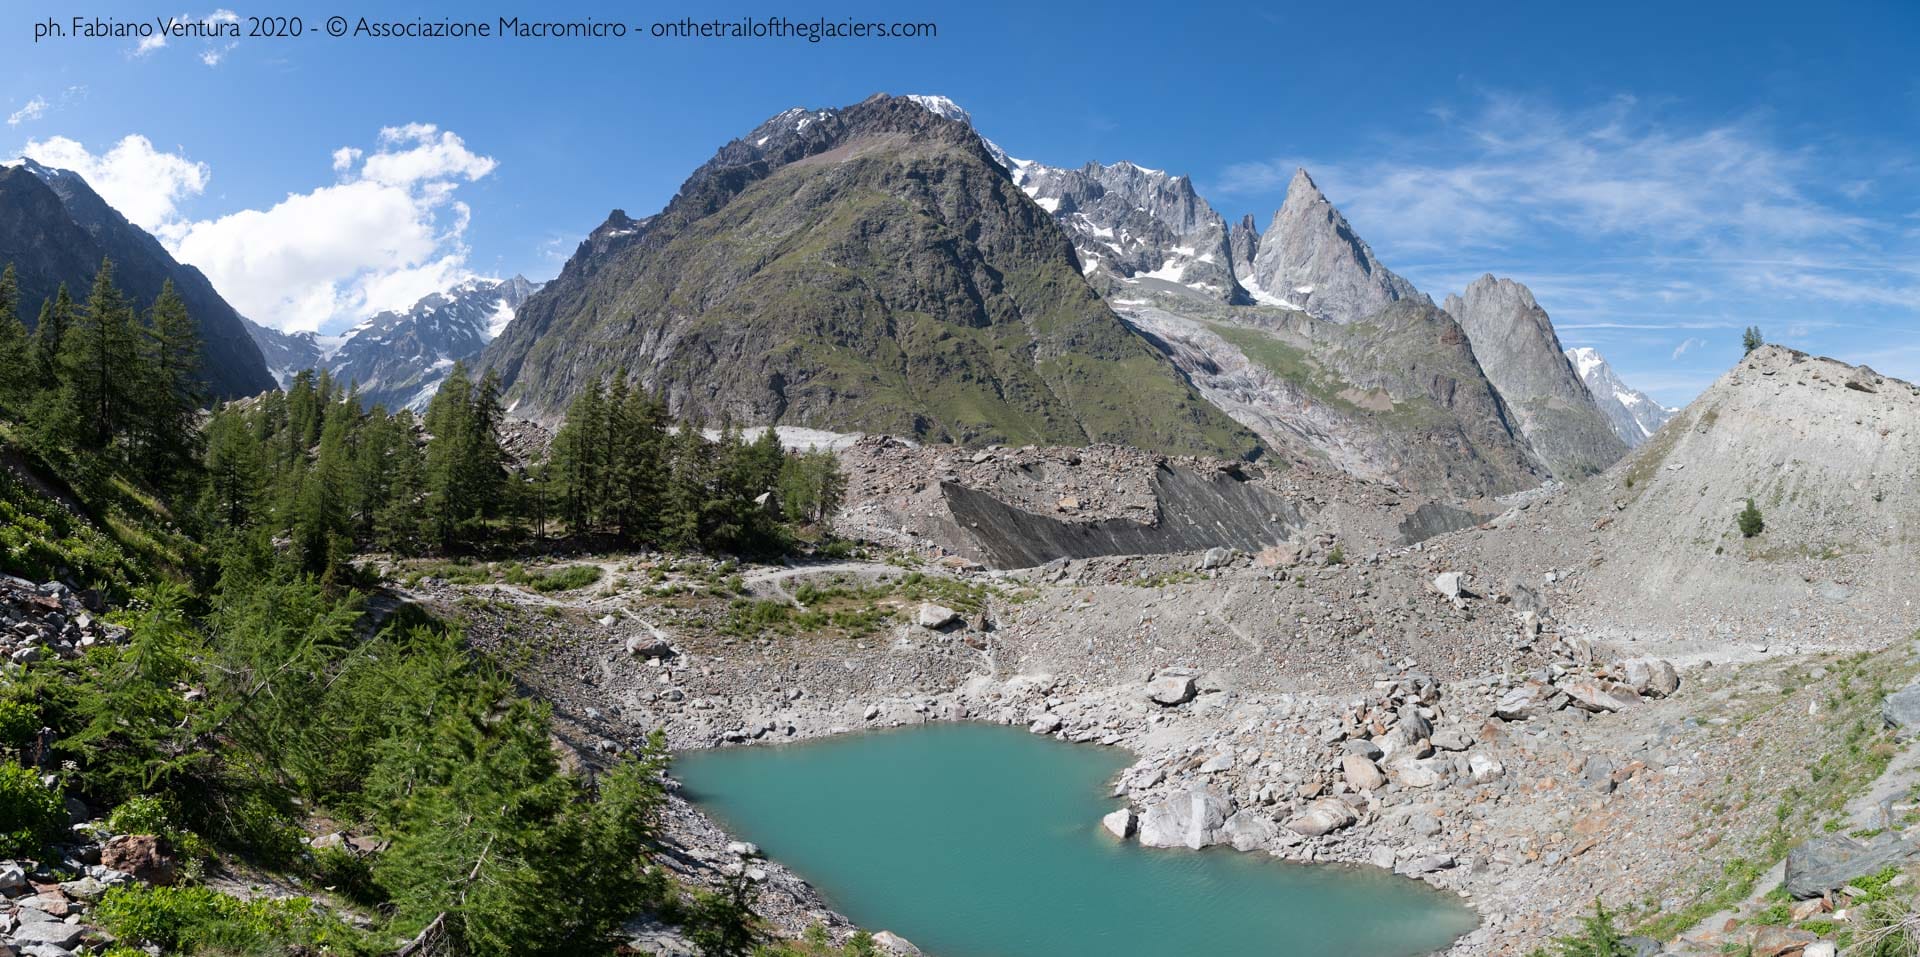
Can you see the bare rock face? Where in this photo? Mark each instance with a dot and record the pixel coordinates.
(1243, 243)
(144, 856)
(1634, 414)
(1137, 223)
(1514, 340)
(1311, 259)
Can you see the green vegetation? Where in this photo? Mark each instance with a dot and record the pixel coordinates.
(851, 611)
(1751, 340)
(1597, 938)
(1749, 521)
(254, 698)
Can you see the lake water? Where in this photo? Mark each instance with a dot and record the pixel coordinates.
(976, 840)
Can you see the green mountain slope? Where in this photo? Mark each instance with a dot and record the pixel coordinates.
(865, 269)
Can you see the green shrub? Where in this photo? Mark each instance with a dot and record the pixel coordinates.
(1750, 522)
(196, 920)
(31, 815)
(1597, 937)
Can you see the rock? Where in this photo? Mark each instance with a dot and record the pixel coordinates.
(1278, 556)
(1452, 739)
(1643, 946)
(649, 646)
(1045, 724)
(1249, 830)
(872, 712)
(1364, 748)
(1190, 818)
(1483, 768)
(45, 932)
(1521, 703)
(1827, 863)
(1215, 557)
(892, 943)
(937, 617)
(1218, 763)
(1901, 709)
(144, 856)
(1655, 677)
(1424, 821)
(13, 878)
(85, 889)
(1821, 948)
(1427, 864)
(1770, 941)
(1120, 823)
(1410, 771)
(1361, 773)
(1322, 816)
(1171, 690)
(1591, 694)
(1453, 587)
(743, 849)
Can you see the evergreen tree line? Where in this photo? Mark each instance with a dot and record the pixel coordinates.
(102, 378)
(333, 477)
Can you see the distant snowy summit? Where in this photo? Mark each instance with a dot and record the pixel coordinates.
(1634, 414)
(398, 359)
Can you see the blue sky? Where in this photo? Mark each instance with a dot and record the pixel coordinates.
(1661, 174)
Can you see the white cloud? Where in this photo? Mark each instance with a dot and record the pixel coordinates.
(144, 184)
(149, 44)
(213, 46)
(1691, 342)
(26, 114)
(387, 233)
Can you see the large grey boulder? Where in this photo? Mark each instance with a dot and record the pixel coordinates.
(1191, 818)
(892, 943)
(1901, 710)
(37, 929)
(1829, 863)
(1171, 690)
(1361, 773)
(1249, 830)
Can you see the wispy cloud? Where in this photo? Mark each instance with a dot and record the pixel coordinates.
(34, 109)
(1685, 344)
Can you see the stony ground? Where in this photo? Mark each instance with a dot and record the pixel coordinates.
(1349, 712)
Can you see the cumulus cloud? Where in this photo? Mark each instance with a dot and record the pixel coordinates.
(388, 232)
(143, 183)
(28, 113)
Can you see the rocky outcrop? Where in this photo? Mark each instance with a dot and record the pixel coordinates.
(1191, 818)
(1514, 341)
(1311, 259)
(1826, 864)
(1243, 245)
(1192, 512)
(1138, 224)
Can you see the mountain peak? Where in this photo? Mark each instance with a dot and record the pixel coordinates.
(1311, 260)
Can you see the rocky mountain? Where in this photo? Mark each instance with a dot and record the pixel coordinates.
(55, 229)
(1311, 259)
(1634, 414)
(1243, 245)
(872, 268)
(1136, 224)
(398, 359)
(1514, 341)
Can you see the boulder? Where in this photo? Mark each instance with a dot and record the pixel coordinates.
(1045, 724)
(1450, 584)
(38, 929)
(1522, 702)
(1171, 690)
(1409, 771)
(649, 646)
(1215, 558)
(1596, 696)
(1120, 823)
(1323, 816)
(1654, 677)
(1827, 863)
(1643, 946)
(892, 943)
(1285, 555)
(1249, 830)
(13, 878)
(1483, 768)
(144, 856)
(1190, 818)
(1361, 773)
(1771, 941)
(1901, 710)
(937, 617)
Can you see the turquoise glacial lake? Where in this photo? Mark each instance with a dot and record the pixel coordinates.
(977, 840)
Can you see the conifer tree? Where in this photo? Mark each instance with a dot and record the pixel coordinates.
(16, 370)
(49, 337)
(235, 472)
(100, 362)
(174, 391)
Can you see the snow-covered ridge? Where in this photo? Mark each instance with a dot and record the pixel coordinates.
(1635, 416)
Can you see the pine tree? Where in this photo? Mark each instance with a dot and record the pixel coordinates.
(577, 462)
(16, 369)
(400, 524)
(49, 337)
(174, 391)
(235, 472)
(101, 364)
(1751, 340)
